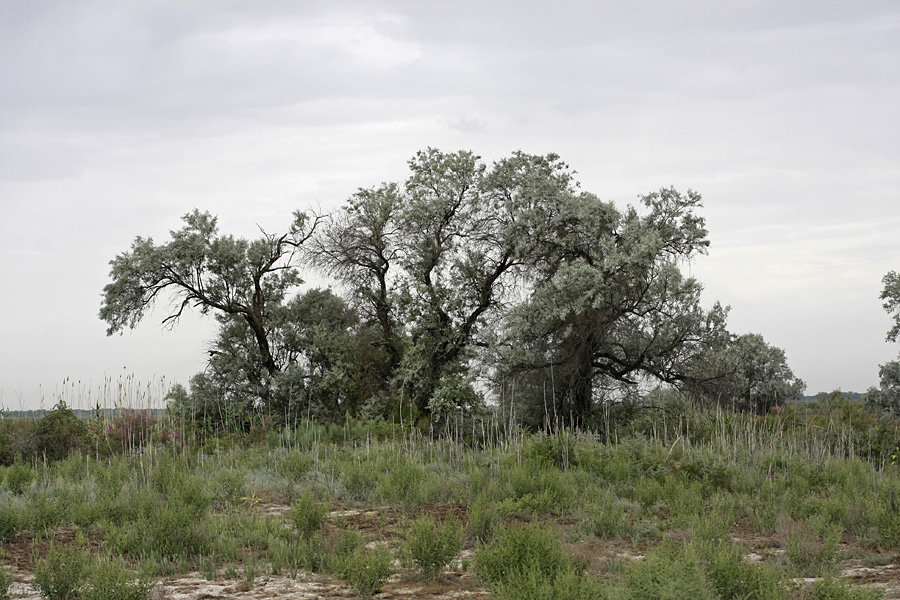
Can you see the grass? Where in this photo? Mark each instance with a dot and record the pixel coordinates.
(522, 505)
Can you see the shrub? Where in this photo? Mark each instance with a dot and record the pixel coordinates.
(521, 550)
(61, 574)
(831, 588)
(6, 579)
(569, 584)
(60, 432)
(109, 579)
(131, 430)
(7, 453)
(365, 570)
(19, 477)
(432, 546)
(809, 547)
(671, 571)
(13, 519)
(309, 517)
(483, 518)
(607, 518)
(734, 578)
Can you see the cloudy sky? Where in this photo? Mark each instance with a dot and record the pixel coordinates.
(116, 118)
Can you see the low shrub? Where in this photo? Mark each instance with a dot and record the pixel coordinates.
(734, 578)
(831, 588)
(432, 546)
(60, 432)
(110, 579)
(19, 477)
(308, 515)
(365, 570)
(6, 579)
(671, 571)
(521, 551)
(61, 575)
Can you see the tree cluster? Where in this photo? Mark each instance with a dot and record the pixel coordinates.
(464, 281)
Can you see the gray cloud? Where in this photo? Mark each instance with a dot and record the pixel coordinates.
(117, 118)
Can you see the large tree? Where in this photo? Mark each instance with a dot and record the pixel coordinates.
(431, 261)
(202, 269)
(608, 302)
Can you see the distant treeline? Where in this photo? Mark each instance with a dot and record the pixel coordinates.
(852, 396)
(80, 413)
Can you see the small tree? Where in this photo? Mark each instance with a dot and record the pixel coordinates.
(743, 373)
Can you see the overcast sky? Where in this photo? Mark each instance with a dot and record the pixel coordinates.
(116, 118)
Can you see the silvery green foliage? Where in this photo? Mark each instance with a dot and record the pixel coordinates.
(607, 301)
(891, 296)
(886, 397)
(202, 269)
(432, 261)
(743, 372)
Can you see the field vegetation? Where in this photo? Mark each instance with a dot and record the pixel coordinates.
(679, 502)
(516, 392)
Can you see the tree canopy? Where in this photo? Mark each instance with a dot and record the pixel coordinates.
(209, 272)
(886, 397)
(466, 277)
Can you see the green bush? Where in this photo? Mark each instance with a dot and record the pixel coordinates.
(568, 584)
(110, 579)
(484, 518)
(7, 454)
(528, 550)
(607, 518)
(13, 519)
(671, 571)
(810, 548)
(364, 570)
(308, 516)
(432, 546)
(734, 578)
(6, 579)
(831, 588)
(19, 477)
(60, 432)
(61, 575)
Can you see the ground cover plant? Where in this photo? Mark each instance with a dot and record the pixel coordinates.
(799, 503)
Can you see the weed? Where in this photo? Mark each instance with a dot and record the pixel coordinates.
(483, 519)
(251, 568)
(432, 546)
(607, 518)
(207, 568)
(568, 584)
(810, 548)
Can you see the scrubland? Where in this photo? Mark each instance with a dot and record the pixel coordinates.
(678, 502)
